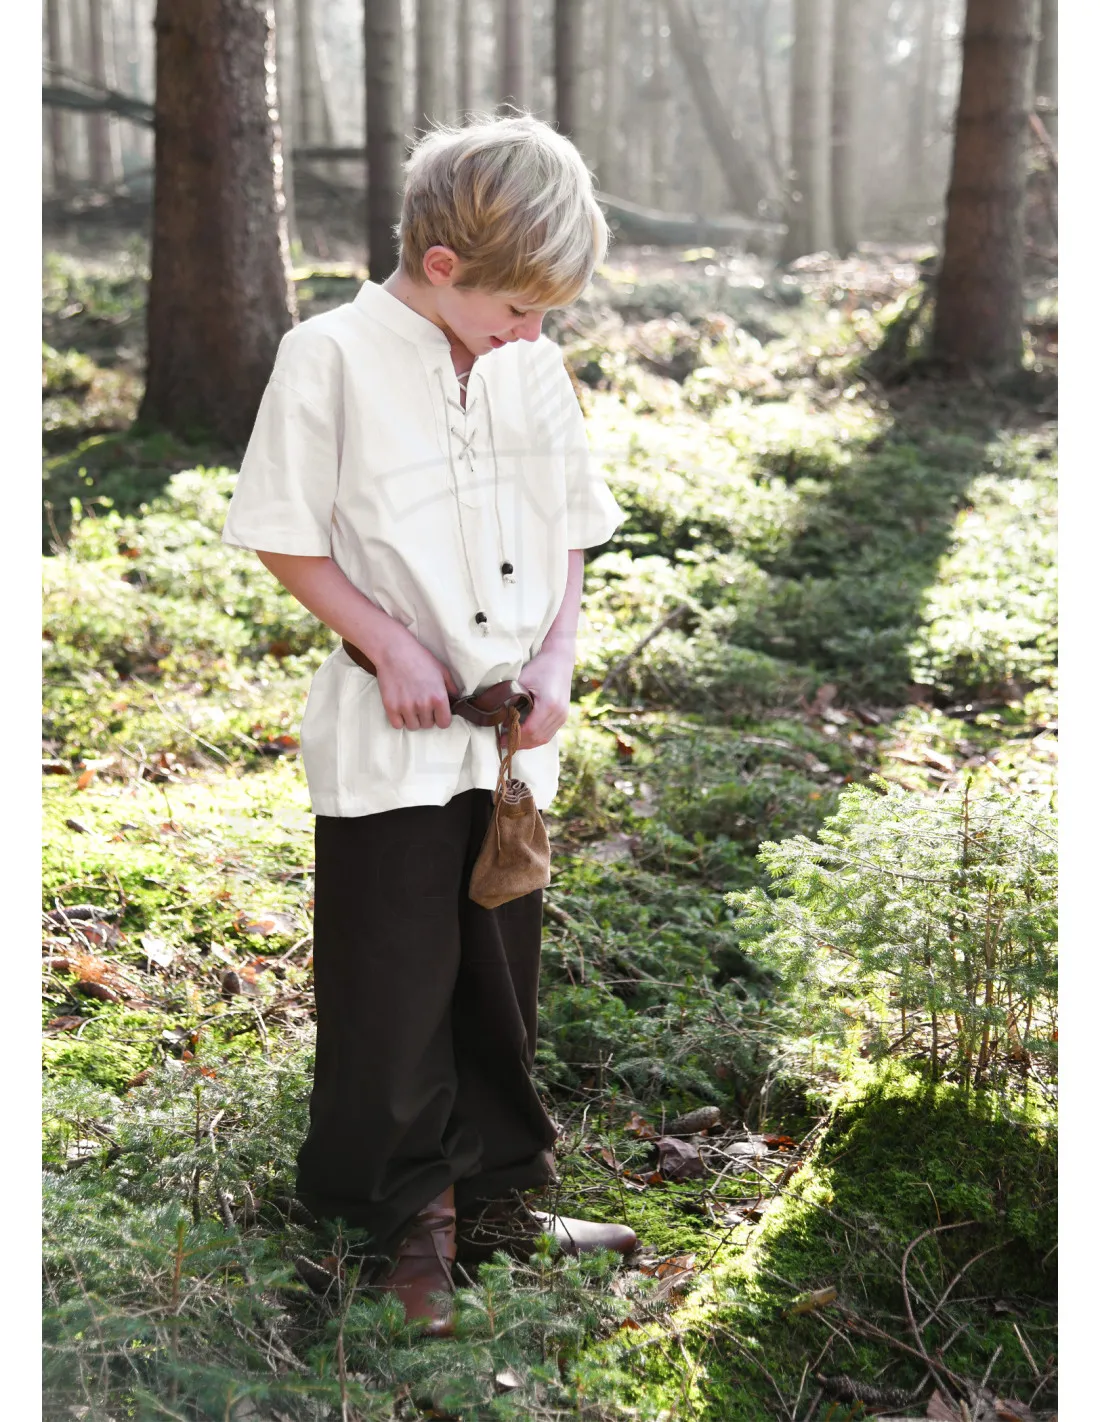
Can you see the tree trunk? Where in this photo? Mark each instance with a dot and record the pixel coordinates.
(608, 165)
(920, 110)
(758, 26)
(464, 55)
(314, 117)
(60, 167)
(385, 133)
(567, 59)
(660, 111)
(429, 65)
(846, 88)
(102, 139)
(220, 297)
(808, 200)
(743, 181)
(515, 69)
(1046, 68)
(285, 68)
(979, 303)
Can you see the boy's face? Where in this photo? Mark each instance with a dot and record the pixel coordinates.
(482, 320)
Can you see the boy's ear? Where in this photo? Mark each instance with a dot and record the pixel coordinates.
(441, 266)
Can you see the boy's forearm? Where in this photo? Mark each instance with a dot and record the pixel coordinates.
(321, 587)
(562, 636)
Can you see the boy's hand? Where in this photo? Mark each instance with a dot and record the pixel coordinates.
(549, 677)
(416, 687)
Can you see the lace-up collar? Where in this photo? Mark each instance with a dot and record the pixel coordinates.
(463, 437)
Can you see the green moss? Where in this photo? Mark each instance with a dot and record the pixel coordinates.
(897, 1160)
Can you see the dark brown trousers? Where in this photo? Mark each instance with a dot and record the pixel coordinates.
(427, 1011)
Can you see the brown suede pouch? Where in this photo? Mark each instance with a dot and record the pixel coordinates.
(515, 855)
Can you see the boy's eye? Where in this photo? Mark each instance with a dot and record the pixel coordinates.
(517, 313)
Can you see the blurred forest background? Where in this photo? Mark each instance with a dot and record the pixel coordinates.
(799, 995)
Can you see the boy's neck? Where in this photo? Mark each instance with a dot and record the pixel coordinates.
(419, 299)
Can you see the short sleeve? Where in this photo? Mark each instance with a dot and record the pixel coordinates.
(592, 515)
(286, 488)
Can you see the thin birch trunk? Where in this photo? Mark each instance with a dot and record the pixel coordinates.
(383, 35)
(103, 143)
(429, 64)
(60, 161)
(515, 69)
(1046, 67)
(808, 225)
(846, 90)
(758, 20)
(567, 23)
(312, 111)
(920, 120)
(285, 74)
(464, 59)
(608, 164)
(659, 110)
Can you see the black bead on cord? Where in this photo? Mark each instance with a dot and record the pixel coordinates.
(505, 569)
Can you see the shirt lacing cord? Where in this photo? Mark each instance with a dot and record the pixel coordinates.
(465, 438)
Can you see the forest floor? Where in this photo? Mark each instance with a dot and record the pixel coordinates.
(822, 579)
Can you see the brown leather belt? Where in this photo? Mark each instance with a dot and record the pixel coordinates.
(488, 708)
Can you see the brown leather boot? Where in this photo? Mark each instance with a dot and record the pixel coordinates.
(423, 1266)
(510, 1226)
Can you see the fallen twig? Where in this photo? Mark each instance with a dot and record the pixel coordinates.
(1027, 1350)
(623, 662)
(917, 1334)
(757, 1363)
(871, 1330)
(955, 1280)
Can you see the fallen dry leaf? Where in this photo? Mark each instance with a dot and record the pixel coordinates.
(157, 951)
(1011, 1409)
(824, 695)
(77, 825)
(679, 1160)
(266, 923)
(65, 1024)
(753, 1149)
(939, 1409)
(673, 1273)
(237, 982)
(817, 1298)
(640, 1127)
(100, 991)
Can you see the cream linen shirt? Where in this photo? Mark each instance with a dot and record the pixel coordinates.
(362, 451)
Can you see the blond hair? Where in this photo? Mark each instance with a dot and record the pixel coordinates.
(513, 199)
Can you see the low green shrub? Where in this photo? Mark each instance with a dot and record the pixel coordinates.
(939, 912)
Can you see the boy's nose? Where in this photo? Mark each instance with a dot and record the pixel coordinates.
(530, 328)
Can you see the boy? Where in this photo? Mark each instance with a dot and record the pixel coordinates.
(418, 478)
